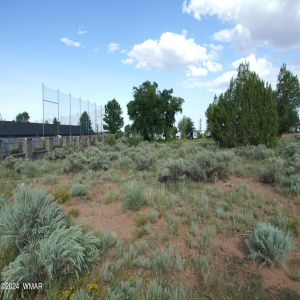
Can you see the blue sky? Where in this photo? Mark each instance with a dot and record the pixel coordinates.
(100, 50)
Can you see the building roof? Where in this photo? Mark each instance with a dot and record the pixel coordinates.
(27, 129)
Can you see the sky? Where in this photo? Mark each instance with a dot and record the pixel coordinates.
(99, 50)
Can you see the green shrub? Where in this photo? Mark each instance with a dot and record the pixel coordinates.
(33, 216)
(14, 151)
(38, 149)
(56, 146)
(65, 251)
(9, 162)
(279, 220)
(134, 140)
(78, 189)
(111, 142)
(209, 166)
(294, 226)
(255, 152)
(125, 162)
(293, 183)
(48, 249)
(270, 245)
(107, 239)
(134, 196)
(74, 212)
(153, 217)
(23, 166)
(273, 171)
(140, 220)
(172, 170)
(51, 179)
(61, 195)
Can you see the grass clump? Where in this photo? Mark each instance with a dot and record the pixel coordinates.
(78, 189)
(134, 196)
(270, 245)
(112, 196)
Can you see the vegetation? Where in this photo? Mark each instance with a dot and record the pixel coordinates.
(184, 211)
(85, 121)
(23, 117)
(245, 114)
(152, 111)
(172, 194)
(113, 116)
(287, 99)
(186, 127)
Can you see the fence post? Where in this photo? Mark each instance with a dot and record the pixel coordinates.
(88, 140)
(77, 142)
(65, 141)
(26, 147)
(1, 150)
(49, 143)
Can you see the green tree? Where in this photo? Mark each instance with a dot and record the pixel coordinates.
(186, 127)
(128, 130)
(113, 116)
(153, 112)
(208, 115)
(55, 122)
(85, 121)
(288, 99)
(170, 106)
(246, 113)
(182, 126)
(23, 117)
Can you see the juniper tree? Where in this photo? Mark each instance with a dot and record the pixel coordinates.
(246, 113)
(288, 99)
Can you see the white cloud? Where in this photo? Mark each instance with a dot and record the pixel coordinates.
(261, 66)
(236, 34)
(81, 31)
(70, 42)
(171, 51)
(112, 47)
(217, 86)
(123, 51)
(96, 50)
(213, 66)
(216, 48)
(127, 61)
(272, 22)
(195, 72)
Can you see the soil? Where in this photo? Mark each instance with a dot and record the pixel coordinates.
(110, 217)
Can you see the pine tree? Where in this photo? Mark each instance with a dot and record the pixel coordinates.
(113, 116)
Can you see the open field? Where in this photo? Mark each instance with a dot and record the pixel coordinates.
(171, 220)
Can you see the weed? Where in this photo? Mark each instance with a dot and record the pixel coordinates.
(74, 212)
(61, 195)
(140, 220)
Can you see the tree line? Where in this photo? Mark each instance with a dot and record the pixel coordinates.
(248, 113)
(251, 113)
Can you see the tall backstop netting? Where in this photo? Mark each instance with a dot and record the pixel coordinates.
(63, 109)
